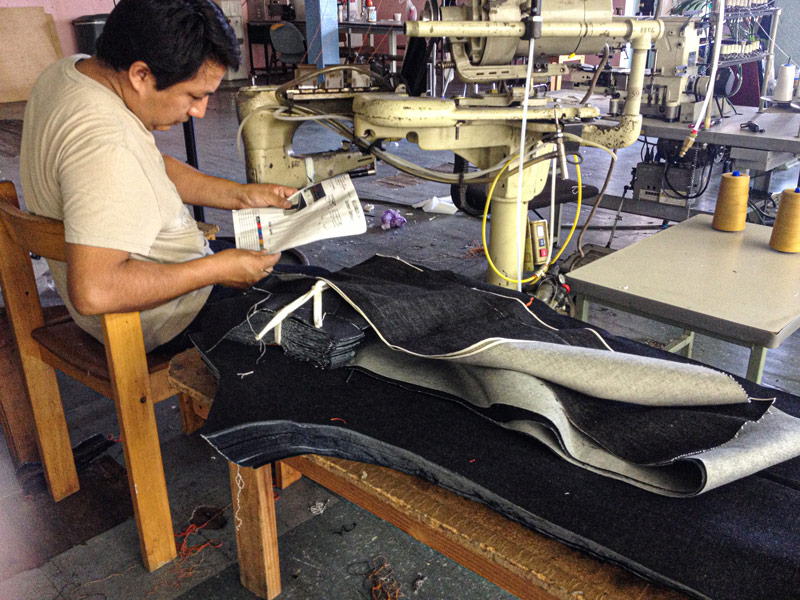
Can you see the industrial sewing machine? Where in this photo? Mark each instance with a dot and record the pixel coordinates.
(674, 87)
(487, 39)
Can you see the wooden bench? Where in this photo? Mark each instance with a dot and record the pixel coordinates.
(523, 562)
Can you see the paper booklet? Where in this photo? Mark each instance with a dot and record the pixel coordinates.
(323, 210)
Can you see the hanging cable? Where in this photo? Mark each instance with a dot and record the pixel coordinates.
(598, 71)
(718, 32)
(553, 220)
(596, 203)
(575, 222)
(522, 134)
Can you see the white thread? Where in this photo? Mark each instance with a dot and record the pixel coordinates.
(319, 507)
(766, 33)
(784, 88)
(250, 312)
(240, 485)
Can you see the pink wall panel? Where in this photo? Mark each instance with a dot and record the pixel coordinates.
(64, 11)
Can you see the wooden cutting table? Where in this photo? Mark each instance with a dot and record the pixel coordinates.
(517, 559)
(730, 286)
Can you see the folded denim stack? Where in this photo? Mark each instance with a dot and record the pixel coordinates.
(330, 346)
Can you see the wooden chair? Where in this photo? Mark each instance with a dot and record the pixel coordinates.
(118, 369)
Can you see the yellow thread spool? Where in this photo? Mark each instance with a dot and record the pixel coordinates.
(786, 231)
(730, 213)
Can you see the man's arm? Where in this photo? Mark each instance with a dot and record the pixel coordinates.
(199, 189)
(102, 280)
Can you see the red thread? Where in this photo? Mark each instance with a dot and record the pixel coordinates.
(183, 567)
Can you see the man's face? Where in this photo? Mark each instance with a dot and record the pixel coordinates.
(161, 109)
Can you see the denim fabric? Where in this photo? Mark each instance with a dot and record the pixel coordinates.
(739, 541)
(439, 314)
(434, 312)
(678, 451)
(615, 412)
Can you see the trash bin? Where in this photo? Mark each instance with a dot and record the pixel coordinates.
(87, 29)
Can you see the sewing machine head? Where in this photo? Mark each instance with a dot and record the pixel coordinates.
(487, 37)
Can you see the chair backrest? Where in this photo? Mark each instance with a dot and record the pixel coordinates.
(414, 71)
(8, 192)
(288, 42)
(16, 416)
(21, 234)
(40, 235)
(257, 33)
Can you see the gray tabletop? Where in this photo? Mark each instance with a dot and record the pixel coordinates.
(781, 126)
(732, 285)
(780, 131)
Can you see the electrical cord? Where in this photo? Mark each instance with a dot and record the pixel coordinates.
(542, 270)
(575, 221)
(681, 194)
(763, 216)
(596, 203)
(281, 115)
(644, 152)
(708, 171)
(523, 131)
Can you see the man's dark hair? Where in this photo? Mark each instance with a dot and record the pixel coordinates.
(174, 38)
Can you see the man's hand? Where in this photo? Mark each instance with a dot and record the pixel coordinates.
(258, 195)
(243, 268)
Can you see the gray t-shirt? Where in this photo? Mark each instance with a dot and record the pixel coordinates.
(89, 161)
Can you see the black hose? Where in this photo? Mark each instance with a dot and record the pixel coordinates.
(597, 72)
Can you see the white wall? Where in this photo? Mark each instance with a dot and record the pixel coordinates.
(788, 26)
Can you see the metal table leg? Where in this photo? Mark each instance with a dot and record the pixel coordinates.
(685, 343)
(581, 308)
(755, 367)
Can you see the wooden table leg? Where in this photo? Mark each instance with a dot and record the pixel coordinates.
(256, 530)
(284, 474)
(191, 421)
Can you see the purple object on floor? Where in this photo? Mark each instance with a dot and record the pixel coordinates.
(392, 218)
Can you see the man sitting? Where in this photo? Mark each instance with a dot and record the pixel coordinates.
(89, 159)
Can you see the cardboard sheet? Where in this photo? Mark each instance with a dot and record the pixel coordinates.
(30, 44)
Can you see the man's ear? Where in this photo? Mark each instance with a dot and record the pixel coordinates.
(140, 76)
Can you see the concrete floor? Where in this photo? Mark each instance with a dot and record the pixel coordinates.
(315, 561)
